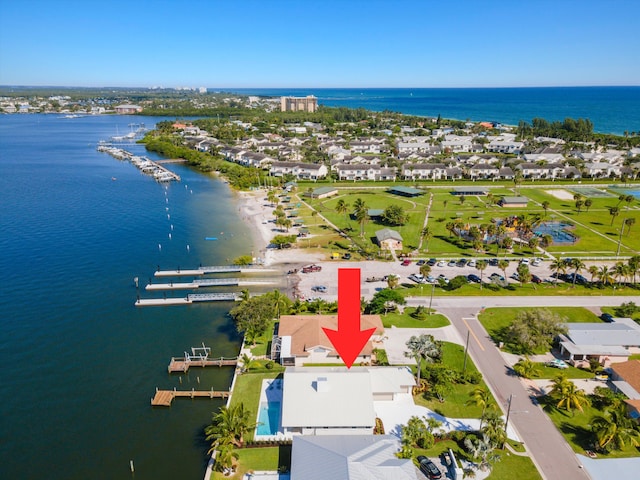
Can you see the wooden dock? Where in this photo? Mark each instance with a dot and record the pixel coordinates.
(163, 398)
(181, 364)
(216, 269)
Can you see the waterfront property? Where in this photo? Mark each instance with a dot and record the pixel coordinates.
(269, 410)
(301, 339)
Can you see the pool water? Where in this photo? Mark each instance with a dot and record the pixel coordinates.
(268, 418)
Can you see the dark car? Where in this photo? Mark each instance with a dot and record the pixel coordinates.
(420, 262)
(473, 278)
(536, 279)
(429, 468)
(607, 317)
(432, 262)
(493, 262)
(462, 262)
(346, 256)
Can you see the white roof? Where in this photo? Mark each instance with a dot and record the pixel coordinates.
(609, 334)
(346, 400)
(285, 346)
(390, 379)
(349, 457)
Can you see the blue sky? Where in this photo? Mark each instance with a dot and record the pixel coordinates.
(326, 43)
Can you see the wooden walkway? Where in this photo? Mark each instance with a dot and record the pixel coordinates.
(181, 365)
(163, 398)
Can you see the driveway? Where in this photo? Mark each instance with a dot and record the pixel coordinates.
(395, 341)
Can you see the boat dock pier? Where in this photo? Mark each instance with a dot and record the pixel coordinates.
(207, 282)
(215, 269)
(163, 398)
(189, 299)
(146, 166)
(182, 364)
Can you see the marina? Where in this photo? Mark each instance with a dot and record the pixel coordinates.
(145, 165)
(215, 269)
(208, 282)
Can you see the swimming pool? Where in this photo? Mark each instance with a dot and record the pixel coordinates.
(268, 418)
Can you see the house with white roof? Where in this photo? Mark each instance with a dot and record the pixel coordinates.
(456, 143)
(599, 169)
(338, 401)
(308, 171)
(350, 457)
(423, 171)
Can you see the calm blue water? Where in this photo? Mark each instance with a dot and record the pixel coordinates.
(269, 418)
(79, 361)
(611, 109)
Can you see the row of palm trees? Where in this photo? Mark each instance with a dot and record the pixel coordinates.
(226, 433)
(604, 274)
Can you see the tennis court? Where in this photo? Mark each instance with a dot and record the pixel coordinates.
(591, 192)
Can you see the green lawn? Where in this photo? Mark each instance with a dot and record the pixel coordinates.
(405, 320)
(263, 342)
(596, 235)
(267, 458)
(454, 403)
(576, 429)
(496, 320)
(571, 372)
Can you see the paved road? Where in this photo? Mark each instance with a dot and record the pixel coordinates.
(477, 303)
(548, 449)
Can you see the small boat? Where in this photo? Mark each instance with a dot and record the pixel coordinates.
(113, 179)
(210, 238)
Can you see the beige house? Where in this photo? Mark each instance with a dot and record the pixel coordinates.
(301, 339)
(389, 239)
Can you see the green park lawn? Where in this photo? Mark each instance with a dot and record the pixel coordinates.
(596, 235)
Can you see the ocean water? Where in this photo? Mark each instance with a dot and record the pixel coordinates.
(611, 109)
(79, 361)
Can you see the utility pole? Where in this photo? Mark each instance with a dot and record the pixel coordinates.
(433, 288)
(466, 349)
(506, 423)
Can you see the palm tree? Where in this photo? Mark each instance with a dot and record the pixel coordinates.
(587, 203)
(393, 281)
(280, 302)
(230, 423)
(527, 368)
(425, 270)
(559, 267)
(422, 347)
(225, 457)
(577, 266)
(614, 212)
(426, 234)
(502, 265)
(629, 199)
(494, 426)
(620, 271)
(634, 266)
(360, 212)
(343, 207)
(482, 450)
(593, 270)
(481, 266)
(605, 275)
(547, 240)
(480, 397)
(545, 207)
(533, 243)
(567, 394)
(517, 180)
(629, 222)
(615, 430)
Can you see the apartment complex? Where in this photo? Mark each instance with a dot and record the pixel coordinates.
(299, 104)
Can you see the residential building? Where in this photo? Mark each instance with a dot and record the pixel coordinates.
(299, 104)
(128, 109)
(349, 457)
(389, 239)
(308, 171)
(301, 339)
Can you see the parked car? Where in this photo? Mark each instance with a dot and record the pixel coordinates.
(496, 276)
(536, 279)
(421, 262)
(429, 468)
(472, 263)
(607, 317)
(319, 288)
(416, 277)
(406, 263)
(346, 256)
(515, 276)
(442, 278)
(493, 262)
(430, 279)
(557, 363)
(452, 263)
(462, 262)
(473, 278)
(311, 268)
(432, 262)
(441, 263)
(536, 262)
(524, 261)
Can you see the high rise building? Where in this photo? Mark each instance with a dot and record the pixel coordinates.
(299, 104)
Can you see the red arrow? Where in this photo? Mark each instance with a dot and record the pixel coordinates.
(349, 340)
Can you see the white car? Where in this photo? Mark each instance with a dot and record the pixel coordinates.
(524, 261)
(472, 263)
(441, 263)
(536, 262)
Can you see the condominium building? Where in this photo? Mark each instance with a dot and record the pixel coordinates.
(299, 104)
